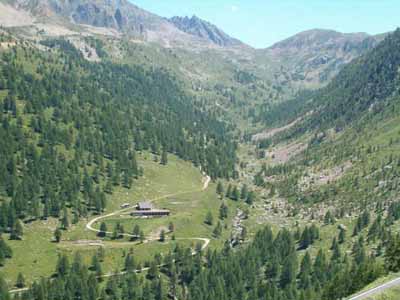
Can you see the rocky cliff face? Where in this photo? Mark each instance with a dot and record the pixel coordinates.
(203, 29)
(119, 15)
(128, 19)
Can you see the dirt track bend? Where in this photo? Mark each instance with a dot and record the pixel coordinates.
(90, 224)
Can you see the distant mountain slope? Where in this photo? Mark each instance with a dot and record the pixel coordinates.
(314, 57)
(319, 39)
(351, 131)
(198, 27)
(365, 86)
(207, 59)
(362, 85)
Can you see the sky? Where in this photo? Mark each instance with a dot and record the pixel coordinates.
(261, 23)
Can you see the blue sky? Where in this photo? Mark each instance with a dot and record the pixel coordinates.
(261, 23)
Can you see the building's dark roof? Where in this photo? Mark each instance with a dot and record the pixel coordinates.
(145, 205)
(151, 212)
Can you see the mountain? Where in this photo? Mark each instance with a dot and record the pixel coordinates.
(114, 17)
(353, 121)
(314, 57)
(362, 86)
(200, 28)
(234, 78)
(366, 85)
(122, 17)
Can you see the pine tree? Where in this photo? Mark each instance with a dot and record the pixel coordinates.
(235, 194)
(101, 254)
(220, 189)
(329, 219)
(20, 283)
(223, 211)
(136, 232)
(209, 220)
(289, 270)
(96, 266)
(57, 235)
(17, 232)
(272, 268)
(305, 239)
(103, 230)
(171, 227)
(244, 192)
(62, 265)
(217, 230)
(116, 232)
(305, 272)
(162, 236)
(250, 198)
(130, 265)
(164, 157)
(342, 236)
(65, 221)
(228, 191)
(152, 273)
(5, 250)
(108, 187)
(142, 236)
(335, 250)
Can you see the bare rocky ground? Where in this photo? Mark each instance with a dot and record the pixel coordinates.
(283, 153)
(10, 17)
(237, 227)
(271, 132)
(322, 177)
(87, 51)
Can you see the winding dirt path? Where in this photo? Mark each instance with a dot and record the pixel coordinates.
(90, 224)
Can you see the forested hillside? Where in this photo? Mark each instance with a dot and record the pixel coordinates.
(70, 130)
(350, 129)
(270, 267)
(363, 85)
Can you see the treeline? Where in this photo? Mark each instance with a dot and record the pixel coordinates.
(70, 131)
(268, 268)
(235, 193)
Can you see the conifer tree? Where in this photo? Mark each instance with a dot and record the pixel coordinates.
(164, 157)
(142, 236)
(162, 236)
(220, 189)
(342, 235)
(65, 221)
(57, 235)
(20, 283)
(244, 192)
(209, 220)
(171, 227)
(103, 230)
(136, 232)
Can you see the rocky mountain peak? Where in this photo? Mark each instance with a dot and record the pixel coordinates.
(203, 29)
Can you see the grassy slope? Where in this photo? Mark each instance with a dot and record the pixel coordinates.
(391, 294)
(36, 255)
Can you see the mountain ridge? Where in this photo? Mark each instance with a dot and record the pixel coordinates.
(204, 29)
(309, 59)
